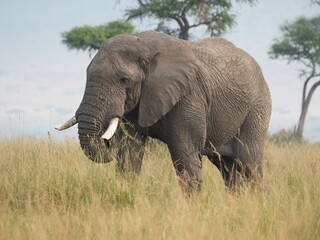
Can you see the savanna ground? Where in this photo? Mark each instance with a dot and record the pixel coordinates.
(50, 190)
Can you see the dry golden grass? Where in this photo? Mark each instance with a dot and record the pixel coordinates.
(49, 190)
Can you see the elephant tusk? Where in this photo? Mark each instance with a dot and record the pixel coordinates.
(66, 125)
(111, 128)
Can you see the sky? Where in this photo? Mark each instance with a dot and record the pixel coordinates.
(42, 82)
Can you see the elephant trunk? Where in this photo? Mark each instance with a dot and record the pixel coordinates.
(90, 131)
(100, 104)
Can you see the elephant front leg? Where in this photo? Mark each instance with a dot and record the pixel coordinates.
(131, 150)
(188, 166)
(185, 136)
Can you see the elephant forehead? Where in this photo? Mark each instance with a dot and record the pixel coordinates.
(125, 65)
(98, 68)
(118, 41)
(116, 67)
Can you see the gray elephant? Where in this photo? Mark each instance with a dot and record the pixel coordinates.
(206, 97)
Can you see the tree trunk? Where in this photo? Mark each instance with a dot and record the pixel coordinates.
(184, 33)
(304, 90)
(305, 106)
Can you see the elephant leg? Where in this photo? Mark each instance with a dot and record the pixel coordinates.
(249, 158)
(185, 148)
(230, 169)
(188, 166)
(131, 149)
(185, 129)
(249, 146)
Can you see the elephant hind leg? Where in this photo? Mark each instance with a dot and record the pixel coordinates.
(249, 145)
(232, 170)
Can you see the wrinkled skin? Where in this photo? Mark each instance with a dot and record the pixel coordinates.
(201, 98)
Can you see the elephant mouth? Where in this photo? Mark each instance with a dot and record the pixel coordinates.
(107, 143)
(101, 145)
(95, 145)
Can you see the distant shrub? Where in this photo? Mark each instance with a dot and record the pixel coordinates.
(285, 136)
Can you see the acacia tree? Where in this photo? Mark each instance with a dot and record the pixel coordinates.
(300, 42)
(89, 38)
(215, 15)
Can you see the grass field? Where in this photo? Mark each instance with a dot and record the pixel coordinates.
(49, 190)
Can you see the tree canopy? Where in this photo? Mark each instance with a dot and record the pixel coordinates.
(300, 42)
(215, 15)
(91, 37)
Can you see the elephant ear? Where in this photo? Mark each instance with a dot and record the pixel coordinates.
(170, 76)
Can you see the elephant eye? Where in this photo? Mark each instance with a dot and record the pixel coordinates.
(124, 80)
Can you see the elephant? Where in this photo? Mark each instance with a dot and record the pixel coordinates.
(201, 98)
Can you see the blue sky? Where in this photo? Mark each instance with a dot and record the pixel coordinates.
(42, 82)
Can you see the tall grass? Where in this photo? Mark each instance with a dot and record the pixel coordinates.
(50, 190)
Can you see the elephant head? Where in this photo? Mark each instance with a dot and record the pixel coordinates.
(148, 72)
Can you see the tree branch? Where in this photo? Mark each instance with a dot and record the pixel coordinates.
(312, 75)
(198, 24)
(184, 18)
(316, 75)
(304, 91)
(141, 3)
(304, 62)
(304, 111)
(177, 18)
